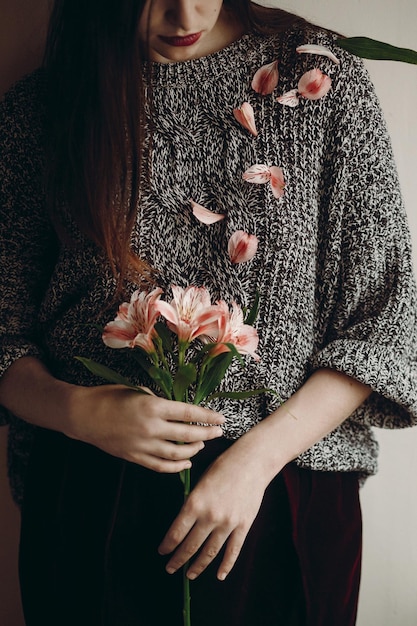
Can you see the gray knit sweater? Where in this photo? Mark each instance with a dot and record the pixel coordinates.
(333, 265)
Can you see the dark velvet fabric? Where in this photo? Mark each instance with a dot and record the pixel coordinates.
(91, 525)
(327, 533)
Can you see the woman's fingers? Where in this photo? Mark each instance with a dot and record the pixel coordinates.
(233, 548)
(211, 548)
(143, 429)
(208, 544)
(162, 466)
(190, 413)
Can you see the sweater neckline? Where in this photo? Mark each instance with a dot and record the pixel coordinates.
(210, 67)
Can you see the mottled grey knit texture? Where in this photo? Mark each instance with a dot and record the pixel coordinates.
(333, 266)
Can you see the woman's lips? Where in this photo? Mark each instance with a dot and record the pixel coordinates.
(188, 40)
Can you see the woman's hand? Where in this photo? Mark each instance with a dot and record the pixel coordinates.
(219, 511)
(141, 428)
(137, 427)
(222, 507)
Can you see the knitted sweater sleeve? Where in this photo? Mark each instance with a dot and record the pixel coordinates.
(366, 292)
(26, 238)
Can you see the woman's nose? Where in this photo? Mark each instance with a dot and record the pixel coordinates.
(182, 14)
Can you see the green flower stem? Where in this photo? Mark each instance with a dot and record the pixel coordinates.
(161, 353)
(186, 478)
(182, 349)
(202, 372)
(187, 598)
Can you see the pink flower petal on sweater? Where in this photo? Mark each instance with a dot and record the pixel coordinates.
(205, 215)
(246, 117)
(266, 78)
(314, 84)
(258, 174)
(317, 49)
(277, 181)
(242, 247)
(289, 99)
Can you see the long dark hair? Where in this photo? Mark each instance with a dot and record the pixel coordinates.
(95, 117)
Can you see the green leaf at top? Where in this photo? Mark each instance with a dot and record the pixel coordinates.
(213, 376)
(378, 50)
(253, 312)
(107, 374)
(185, 376)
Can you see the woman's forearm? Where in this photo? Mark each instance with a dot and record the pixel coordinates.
(325, 400)
(30, 392)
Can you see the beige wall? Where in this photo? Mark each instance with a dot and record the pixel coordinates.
(389, 500)
(388, 596)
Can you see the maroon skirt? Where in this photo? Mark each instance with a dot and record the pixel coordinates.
(91, 525)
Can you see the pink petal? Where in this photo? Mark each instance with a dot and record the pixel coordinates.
(246, 117)
(320, 50)
(168, 311)
(289, 99)
(242, 247)
(232, 329)
(258, 174)
(248, 341)
(314, 84)
(277, 181)
(119, 334)
(266, 78)
(205, 215)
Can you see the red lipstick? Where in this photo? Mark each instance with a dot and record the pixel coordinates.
(188, 40)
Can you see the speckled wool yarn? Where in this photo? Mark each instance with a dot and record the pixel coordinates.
(333, 265)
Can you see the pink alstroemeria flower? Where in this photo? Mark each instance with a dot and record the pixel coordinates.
(261, 174)
(245, 116)
(312, 85)
(205, 216)
(266, 78)
(134, 323)
(310, 48)
(242, 247)
(190, 314)
(232, 329)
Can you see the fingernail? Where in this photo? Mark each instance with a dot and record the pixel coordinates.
(170, 570)
(191, 575)
(221, 576)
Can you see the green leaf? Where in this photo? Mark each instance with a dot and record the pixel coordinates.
(206, 348)
(213, 376)
(372, 49)
(162, 378)
(107, 374)
(141, 358)
(165, 336)
(253, 312)
(242, 395)
(185, 376)
(235, 353)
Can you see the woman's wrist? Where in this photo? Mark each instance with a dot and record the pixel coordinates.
(325, 400)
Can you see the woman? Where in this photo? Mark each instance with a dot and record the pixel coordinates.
(131, 117)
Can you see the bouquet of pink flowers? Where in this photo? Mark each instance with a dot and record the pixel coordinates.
(186, 355)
